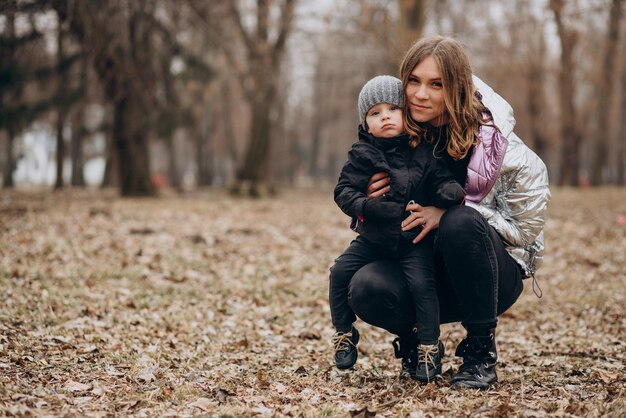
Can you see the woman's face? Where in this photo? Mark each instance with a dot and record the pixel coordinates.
(424, 94)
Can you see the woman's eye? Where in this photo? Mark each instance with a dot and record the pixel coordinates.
(438, 84)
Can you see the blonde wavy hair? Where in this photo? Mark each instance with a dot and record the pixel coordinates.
(462, 103)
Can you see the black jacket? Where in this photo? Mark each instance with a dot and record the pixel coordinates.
(415, 174)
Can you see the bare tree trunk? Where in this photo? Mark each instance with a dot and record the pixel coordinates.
(9, 162)
(259, 84)
(131, 142)
(79, 132)
(60, 151)
(228, 112)
(605, 93)
(203, 161)
(76, 150)
(316, 145)
(173, 173)
(412, 18)
(111, 170)
(571, 138)
(203, 156)
(621, 139)
(62, 109)
(536, 96)
(320, 109)
(254, 169)
(125, 72)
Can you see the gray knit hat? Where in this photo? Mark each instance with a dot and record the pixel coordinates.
(380, 89)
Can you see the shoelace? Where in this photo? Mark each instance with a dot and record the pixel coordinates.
(427, 352)
(343, 341)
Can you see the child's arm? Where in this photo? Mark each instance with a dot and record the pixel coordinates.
(445, 191)
(350, 190)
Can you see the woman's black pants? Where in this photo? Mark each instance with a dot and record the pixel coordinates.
(477, 279)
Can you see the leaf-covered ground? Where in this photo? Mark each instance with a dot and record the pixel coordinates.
(209, 305)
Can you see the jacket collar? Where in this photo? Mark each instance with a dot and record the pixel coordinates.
(383, 143)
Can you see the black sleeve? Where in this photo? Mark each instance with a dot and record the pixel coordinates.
(351, 189)
(444, 190)
(350, 192)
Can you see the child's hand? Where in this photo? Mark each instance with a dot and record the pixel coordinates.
(377, 209)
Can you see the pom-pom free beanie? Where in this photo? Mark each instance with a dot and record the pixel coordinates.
(380, 89)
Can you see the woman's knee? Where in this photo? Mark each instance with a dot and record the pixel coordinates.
(460, 221)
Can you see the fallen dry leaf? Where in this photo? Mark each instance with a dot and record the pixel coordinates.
(73, 386)
(205, 404)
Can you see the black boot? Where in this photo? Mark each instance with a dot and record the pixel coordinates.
(479, 361)
(346, 352)
(429, 361)
(405, 347)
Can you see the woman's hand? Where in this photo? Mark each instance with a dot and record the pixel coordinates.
(426, 216)
(378, 185)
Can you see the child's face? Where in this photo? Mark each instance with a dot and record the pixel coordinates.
(385, 120)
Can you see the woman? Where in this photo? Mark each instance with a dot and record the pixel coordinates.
(483, 249)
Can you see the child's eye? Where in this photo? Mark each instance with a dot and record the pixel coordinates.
(374, 113)
(394, 107)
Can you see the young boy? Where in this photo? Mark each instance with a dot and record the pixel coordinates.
(416, 175)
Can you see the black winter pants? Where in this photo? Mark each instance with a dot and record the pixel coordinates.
(476, 278)
(415, 262)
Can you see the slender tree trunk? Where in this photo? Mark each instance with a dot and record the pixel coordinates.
(76, 150)
(316, 145)
(204, 159)
(173, 173)
(9, 162)
(571, 138)
(605, 94)
(111, 169)
(229, 130)
(8, 98)
(62, 108)
(536, 98)
(621, 139)
(60, 151)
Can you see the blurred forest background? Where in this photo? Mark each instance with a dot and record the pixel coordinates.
(255, 94)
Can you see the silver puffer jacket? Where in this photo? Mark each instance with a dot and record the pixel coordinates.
(516, 205)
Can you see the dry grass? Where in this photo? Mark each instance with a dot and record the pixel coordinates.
(205, 304)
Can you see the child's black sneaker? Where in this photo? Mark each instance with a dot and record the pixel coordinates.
(346, 352)
(429, 361)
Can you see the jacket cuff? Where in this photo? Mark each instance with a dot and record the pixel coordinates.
(360, 207)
